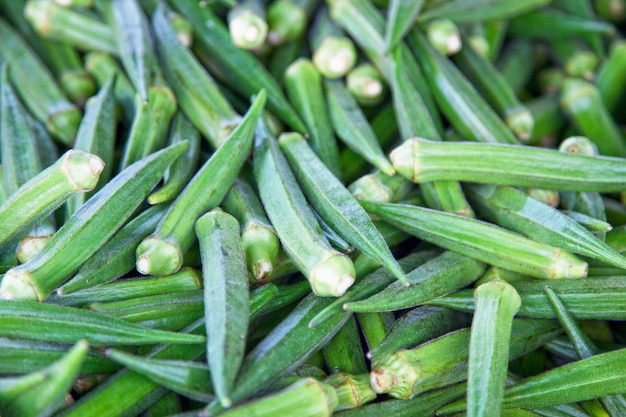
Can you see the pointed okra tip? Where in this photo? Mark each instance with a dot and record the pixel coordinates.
(405, 159)
(332, 276)
(158, 257)
(82, 169)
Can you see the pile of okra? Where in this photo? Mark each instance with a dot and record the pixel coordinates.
(356, 208)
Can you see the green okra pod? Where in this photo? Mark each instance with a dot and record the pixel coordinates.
(287, 294)
(335, 204)
(401, 17)
(482, 241)
(374, 326)
(235, 65)
(226, 298)
(516, 64)
(370, 284)
(444, 36)
(417, 326)
(466, 110)
(287, 20)
(590, 223)
(35, 85)
(258, 237)
(247, 25)
(352, 391)
(330, 272)
(41, 195)
(577, 60)
(48, 396)
(186, 280)
(584, 106)
(48, 322)
(479, 10)
(547, 115)
(610, 78)
(162, 252)
(191, 379)
(134, 44)
(117, 256)
(333, 53)
(103, 67)
(366, 84)
(444, 274)
(304, 89)
(344, 353)
(553, 24)
(497, 91)
(183, 168)
(88, 229)
(11, 387)
(380, 187)
(513, 209)
(496, 304)
(501, 164)
(96, 135)
(352, 127)
(194, 89)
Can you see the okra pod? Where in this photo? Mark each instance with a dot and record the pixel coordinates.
(247, 24)
(513, 209)
(352, 391)
(380, 187)
(183, 168)
(287, 19)
(374, 326)
(226, 298)
(48, 322)
(401, 16)
(48, 396)
(496, 304)
(287, 294)
(333, 53)
(39, 91)
(235, 65)
(479, 10)
(584, 106)
(577, 60)
(344, 353)
(478, 240)
(352, 127)
(444, 274)
(553, 24)
(460, 102)
(330, 272)
(150, 125)
(194, 89)
(304, 89)
(611, 10)
(96, 135)
(258, 237)
(88, 229)
(516, 64)
(11, 387)
(162, 252)
(103, 67)
(117, 256)
(366, 84)
(443, 361)
(444, 36)
(501, 164)
(610, 78)
(335, 204)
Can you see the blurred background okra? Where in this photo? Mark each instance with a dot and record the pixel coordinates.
(345, 208)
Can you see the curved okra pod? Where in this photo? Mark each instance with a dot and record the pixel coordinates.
(352, 127)
(523, 166)
(401, 17)
(330, 272)
(482, 241)
(369, 285)
(49, 395)
(117, 256)
(513, 209)
(96, 135)
(53, 323)
(161, 253)
(335, 204)
(247, 24)
(196, 92)
(40, 196)
(39, 91)
(333, 53)
(226, 298)
(442, 275)
(235, 65)
(183, 168)
(104, 67)
(88, 229)
(416, 327)
(191, 379)
(258, 237)
(584, 106)
(463, 11)
(304, 89)
(150, 124)
(133, 41)
(466, 110)
(496, 91)
(496, 304)
(443, 361)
